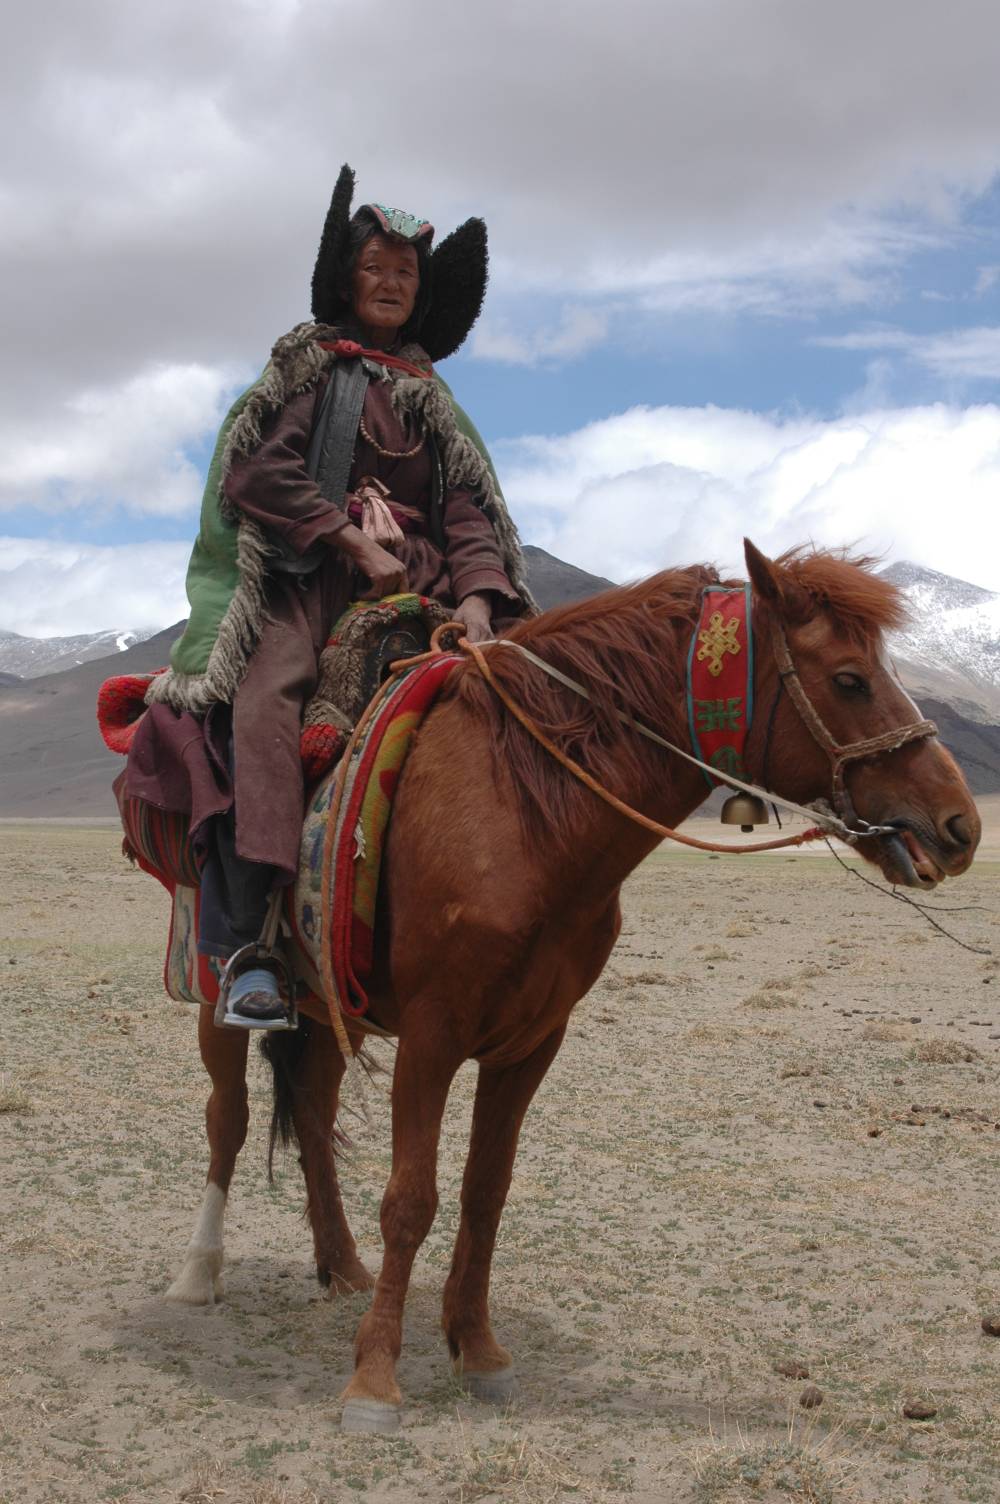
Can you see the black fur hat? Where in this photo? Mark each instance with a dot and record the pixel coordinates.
(452, 277)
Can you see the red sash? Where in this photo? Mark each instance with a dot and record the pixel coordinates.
(345, 348)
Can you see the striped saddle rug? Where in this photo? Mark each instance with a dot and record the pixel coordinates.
(358, 798)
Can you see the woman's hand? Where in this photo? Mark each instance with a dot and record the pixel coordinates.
(475, 610)
(386, 572)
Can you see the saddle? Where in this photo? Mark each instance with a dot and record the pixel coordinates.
(366, 641)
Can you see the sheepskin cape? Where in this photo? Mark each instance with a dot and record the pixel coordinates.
(227, 574)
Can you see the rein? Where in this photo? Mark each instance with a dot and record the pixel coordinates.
(846, 823)
(815, 833)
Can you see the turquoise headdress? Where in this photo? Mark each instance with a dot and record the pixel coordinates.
(398, 222)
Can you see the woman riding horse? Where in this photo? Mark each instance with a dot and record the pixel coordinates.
(345, 472)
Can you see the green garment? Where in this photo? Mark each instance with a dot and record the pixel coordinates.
(213, 573)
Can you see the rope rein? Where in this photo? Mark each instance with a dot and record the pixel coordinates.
(845, 823)
(815, 833)
(923, 909)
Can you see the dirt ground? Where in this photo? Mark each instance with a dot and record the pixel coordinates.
(699, 1196)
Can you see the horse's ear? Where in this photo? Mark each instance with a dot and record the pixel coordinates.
(774, 584)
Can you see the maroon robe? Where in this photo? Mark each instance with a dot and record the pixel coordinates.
(272, 487)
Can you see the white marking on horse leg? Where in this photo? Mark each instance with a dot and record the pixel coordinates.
(198, 1283)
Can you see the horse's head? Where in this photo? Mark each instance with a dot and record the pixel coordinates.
(832, 611)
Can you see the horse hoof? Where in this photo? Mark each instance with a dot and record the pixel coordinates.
(370, 1415)
(496, 1388)
(195, 1285)
(339, 1284)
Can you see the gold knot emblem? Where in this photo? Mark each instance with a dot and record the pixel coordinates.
(717, 638)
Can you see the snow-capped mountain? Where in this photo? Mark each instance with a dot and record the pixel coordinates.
(30, 657)
(950, 649)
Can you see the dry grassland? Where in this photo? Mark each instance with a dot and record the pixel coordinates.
(699, 1197)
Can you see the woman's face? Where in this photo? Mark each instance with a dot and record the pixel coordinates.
(384, 284)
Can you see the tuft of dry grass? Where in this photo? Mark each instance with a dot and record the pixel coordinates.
(710, 1034)
(765, 999)
(215, 1481)
(618, 981)
(508, 1458)
(738, 932)
(800, 1469)
(776, 992)
(886, 1033)
(15, 1100)
(943, 1052)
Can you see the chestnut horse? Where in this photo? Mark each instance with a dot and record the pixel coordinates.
(499, 904)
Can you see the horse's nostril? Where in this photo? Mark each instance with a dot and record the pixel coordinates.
(958, 828)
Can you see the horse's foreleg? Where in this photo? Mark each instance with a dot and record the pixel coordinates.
(224, 1053)
(420, 1086)
(482, 1366)
(314, 1111)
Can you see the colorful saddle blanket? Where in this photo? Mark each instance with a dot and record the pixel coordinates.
(368, 785)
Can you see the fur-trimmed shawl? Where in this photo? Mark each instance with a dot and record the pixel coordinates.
(297, 362)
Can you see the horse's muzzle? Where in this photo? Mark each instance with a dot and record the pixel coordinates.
(909, 862)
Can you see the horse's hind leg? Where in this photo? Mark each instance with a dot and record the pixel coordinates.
(482, 1366)
(224, 1053)
(315, 1083)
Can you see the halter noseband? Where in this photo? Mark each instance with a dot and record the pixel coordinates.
(839, 756)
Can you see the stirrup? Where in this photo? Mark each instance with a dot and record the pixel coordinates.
(236, 969)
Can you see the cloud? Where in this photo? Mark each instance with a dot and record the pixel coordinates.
(962, 354)
(668, 486)
(579, 330)
(650, 488)
(118, 446)
(60, 589)
(174, 160)
(160, 216)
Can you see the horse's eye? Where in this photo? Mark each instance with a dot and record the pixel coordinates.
(852, 682)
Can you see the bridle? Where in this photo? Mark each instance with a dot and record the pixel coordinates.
(840, 756)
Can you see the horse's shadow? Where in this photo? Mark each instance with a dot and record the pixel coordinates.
(274, 1342)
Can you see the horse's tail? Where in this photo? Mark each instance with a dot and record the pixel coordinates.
(284, 1051)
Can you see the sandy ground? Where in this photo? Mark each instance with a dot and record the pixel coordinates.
(697, 1198)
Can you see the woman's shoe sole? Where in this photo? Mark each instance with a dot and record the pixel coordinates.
(237, 1021)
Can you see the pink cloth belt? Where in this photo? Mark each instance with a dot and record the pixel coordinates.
(404, 518)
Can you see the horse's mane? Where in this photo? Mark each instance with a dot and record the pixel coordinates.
(862, 603)
(628, 646)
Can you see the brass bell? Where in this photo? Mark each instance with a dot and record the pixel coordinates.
(744, 810)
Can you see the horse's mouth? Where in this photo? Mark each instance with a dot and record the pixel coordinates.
(913, 867)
